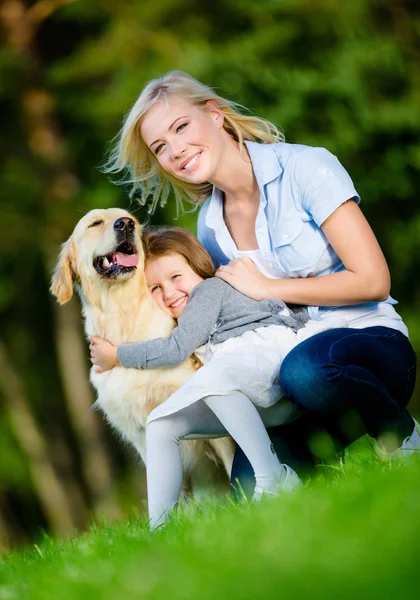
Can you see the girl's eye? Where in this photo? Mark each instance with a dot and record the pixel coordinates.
(181, 127)
(156, 287)
(175, 276)
(96, 223)
(159, 148)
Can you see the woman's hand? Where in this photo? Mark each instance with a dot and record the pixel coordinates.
(243, 275)
(364, 279)
(103, 354)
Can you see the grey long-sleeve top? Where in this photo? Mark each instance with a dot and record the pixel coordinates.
(215, 311)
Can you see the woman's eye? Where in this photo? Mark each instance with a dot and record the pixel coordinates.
(181, 127)
(96, 223)
(158, 148)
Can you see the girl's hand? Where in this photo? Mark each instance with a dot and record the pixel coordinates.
(243, 275)
(103, 354)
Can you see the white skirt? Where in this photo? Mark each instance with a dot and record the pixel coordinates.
(249, 363)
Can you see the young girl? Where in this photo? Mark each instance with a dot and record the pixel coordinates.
(241, 342)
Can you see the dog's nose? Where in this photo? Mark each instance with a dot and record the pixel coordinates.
(124, 224)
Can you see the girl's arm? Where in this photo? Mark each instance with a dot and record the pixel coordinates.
(366, 278)
(103, 354)
(194, 328)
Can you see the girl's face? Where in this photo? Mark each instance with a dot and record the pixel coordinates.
(171, 280)
(187, 140)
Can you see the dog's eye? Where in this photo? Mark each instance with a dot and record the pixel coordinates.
(96, 223)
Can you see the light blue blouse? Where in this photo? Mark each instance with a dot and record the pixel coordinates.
(300, 188)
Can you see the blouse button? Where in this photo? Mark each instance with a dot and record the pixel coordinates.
(285, 236)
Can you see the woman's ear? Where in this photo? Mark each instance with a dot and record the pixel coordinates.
(216, 112)
(64, 274)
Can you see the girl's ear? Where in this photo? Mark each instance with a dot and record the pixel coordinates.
(65, 273)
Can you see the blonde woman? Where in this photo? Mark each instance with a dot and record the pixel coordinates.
(282, 221)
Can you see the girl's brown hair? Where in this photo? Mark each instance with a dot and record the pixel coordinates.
(176, 240)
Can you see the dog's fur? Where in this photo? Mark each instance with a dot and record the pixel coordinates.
(120, 309)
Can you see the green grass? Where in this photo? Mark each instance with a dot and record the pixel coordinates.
(353, 532)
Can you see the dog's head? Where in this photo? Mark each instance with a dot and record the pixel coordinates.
(105, 245)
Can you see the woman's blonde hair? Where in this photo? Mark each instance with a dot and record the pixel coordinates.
(176, 240)
(130, 153)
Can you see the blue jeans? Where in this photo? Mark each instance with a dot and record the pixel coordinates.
(346, 382)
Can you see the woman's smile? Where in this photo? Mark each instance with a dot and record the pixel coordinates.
(192, 163)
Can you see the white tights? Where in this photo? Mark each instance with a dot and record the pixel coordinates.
(213, 416)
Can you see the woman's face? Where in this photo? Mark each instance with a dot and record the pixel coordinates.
(187, 140)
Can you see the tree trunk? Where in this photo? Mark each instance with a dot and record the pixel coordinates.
(54, 498)
(61, 185)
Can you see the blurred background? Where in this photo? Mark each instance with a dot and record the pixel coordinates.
(343, 75)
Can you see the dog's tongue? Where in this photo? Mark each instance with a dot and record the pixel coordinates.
(126, 260)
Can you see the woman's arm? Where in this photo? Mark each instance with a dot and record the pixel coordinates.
(366, 278)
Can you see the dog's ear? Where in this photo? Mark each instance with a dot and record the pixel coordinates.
(64, 274)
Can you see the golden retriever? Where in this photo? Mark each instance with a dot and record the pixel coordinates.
(104, 260)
